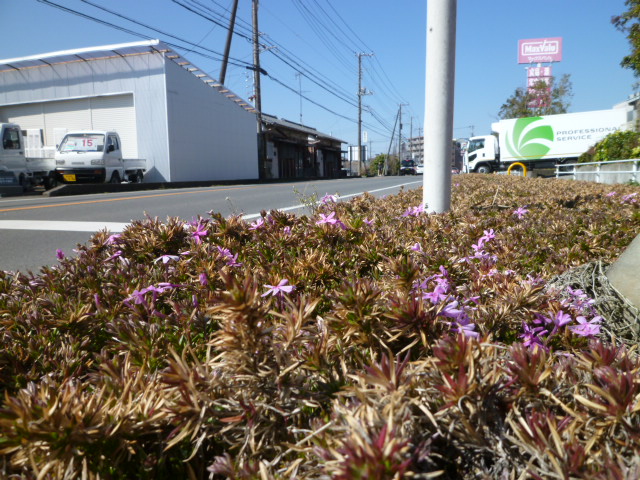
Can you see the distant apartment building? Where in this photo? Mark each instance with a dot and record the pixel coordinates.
(416, 149)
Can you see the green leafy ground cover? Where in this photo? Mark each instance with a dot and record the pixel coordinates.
(366, 340)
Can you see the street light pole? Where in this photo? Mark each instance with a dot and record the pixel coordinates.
(439, 88)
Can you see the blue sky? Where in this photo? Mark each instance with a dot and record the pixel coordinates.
(320, 39)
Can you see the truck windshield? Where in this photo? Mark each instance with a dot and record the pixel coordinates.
(83, 142)
(476, 145)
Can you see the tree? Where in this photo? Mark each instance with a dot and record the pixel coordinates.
(629, 23)
(540, 99)
(377, 164)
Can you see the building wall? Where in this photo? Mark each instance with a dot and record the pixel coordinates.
(210, 136)
(139, 75)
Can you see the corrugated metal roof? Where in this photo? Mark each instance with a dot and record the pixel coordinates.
(273, 120)
(119, 50)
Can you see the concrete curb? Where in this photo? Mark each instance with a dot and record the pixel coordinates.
(624, 273)
(92, 188)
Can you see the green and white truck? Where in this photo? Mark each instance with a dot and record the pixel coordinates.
(542, 142)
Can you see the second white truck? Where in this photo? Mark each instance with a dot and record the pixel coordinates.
(541, 142)
(95, 156)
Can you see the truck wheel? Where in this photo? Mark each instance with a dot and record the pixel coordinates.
(483, 169)
(49, 182)
(137, 177)
(115, 178)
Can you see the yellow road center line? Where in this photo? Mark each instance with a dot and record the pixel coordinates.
(105, 200)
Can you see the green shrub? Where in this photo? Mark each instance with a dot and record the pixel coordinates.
(619, 145)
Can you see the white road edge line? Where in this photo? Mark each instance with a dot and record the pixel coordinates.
(69, 226)
(117, 227)
(340, 197)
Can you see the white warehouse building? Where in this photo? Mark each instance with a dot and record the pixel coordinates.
(185, 124)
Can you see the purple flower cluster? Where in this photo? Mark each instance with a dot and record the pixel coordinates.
(413, 211)
(230, 259)
(577, 304)
(437, 290)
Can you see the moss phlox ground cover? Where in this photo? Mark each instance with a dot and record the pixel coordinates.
(364, 340)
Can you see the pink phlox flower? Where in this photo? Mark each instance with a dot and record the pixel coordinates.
(114, 256)
(199, 232)
(560, 320)
(586, 328)
(610, 194)
(60, 254)
(532, 337)
(451, 310)
(416, 247)
(113, 239)
(259, 223)
(231, 259)
(329, 199)
(442, 283)
(420, 285)
(478, 247)
(278, 290)
(204, 281)
(167, 258)
(413, 211)
(473, 299)
(520, 212)
(138, 296)
(368, 222)
(438, 294)
(488, 235)
(287, 230)
(330, 219)
(467, 329)
(631, 198)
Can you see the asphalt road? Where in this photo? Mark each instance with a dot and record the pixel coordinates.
(32, 228)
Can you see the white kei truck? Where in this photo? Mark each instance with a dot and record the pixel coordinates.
(81, 157)
(541, 142)
(95, 156)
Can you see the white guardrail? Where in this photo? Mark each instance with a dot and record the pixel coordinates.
(615, 171)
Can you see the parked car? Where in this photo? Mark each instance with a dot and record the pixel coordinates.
(419, 169)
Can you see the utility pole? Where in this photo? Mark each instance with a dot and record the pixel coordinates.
(300, 93)
(439, 88)
(257, 92)
(361, 92)
(411, 138)
(227, 48)
(400, 132)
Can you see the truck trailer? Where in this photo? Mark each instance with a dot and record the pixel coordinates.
(541, 142)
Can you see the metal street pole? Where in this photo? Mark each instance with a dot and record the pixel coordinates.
(438, 119)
